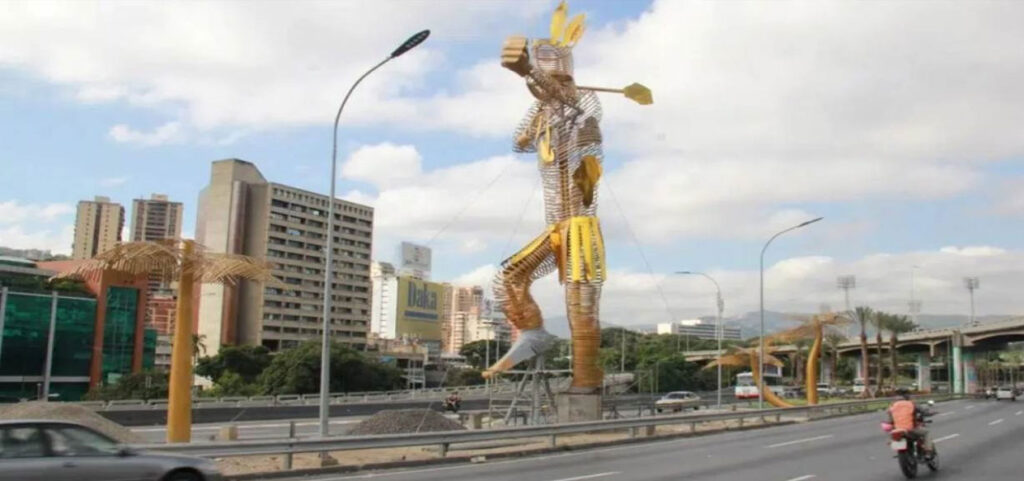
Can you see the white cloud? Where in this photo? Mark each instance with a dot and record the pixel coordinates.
(114, 181)
(383, 165)
(56, 240)
(13, 212)
(170, 132)
(803, 284)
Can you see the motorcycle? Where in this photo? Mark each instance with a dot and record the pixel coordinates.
(910, 449)
(452, 405)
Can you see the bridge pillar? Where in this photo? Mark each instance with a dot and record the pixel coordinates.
(825, 376)
(958, 371)
(924, 372)
(858, 367)
(970, 373)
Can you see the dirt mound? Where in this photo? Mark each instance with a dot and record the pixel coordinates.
(68, 412)
(405, 421)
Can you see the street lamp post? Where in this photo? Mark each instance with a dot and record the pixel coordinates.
(325, 357)
(720, 303)
(971, 283)
(760, 354)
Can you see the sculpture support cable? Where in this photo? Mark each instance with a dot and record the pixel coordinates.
(562, 128)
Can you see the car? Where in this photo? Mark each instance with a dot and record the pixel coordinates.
(827, 390)
(1006, 392)
(46, 450)
(989, 392)
(677, 401)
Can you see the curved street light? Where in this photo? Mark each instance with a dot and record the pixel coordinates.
(760, 355)
(325, 348)
(720, 303)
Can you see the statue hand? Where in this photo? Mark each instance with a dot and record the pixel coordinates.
(514, 55)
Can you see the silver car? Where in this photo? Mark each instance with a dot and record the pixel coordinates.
(62, 451)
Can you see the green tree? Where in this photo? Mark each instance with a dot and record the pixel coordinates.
(832, 341)
(245, 361)
(297, 371)
(463, 377)
(879, 320)
(896, 325)
(863, 315)
(233, 384)
(143, 385)
(476, 352)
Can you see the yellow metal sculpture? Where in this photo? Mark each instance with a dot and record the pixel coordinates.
(813, 328)
(562, 128)
(748, 357)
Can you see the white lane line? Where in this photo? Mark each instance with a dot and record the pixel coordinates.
(590, 476)
(946, 438)
(997, 421)
(798, 441)
(802, 478)
(947, 413)
(1018, 413)
(971, 406)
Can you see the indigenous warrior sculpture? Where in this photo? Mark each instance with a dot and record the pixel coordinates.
(562, 128)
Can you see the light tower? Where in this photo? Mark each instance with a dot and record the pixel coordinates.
(971, 283)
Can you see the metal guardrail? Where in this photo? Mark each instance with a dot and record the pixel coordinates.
(445, 439)
(302, 399)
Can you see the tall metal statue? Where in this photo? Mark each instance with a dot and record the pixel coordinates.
(562, 128)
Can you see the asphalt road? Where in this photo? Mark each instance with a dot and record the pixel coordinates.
(977, 440)
(253, 430)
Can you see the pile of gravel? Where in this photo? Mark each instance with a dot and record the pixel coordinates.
(68, 412)
(405, 421)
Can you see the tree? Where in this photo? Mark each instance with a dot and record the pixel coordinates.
(297, 371)
(879, 320)
(463, 377)
(863, 316)
(245, 361)
(233, 384)
(476, 352)
(833, 340)
(896, 325)
(198, 346)
(142, 385)
(186, 262)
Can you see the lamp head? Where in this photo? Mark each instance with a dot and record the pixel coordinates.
(411, 43)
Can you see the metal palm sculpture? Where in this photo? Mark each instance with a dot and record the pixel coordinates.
(185, 262)
(748, 357)
(562, 129)
(814, 328)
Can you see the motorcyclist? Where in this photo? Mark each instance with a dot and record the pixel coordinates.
(453, 401)
(907, 416)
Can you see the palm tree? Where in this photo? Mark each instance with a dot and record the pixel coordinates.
(186, 262)
(833, 340)
(813, 328)
(742, 357)
(897, 325)
(879, 321)
(864, 315)
(198, 346)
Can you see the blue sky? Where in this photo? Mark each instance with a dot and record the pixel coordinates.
(897, 122)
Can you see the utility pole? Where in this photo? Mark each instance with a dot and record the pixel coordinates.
(846, 283)
(915, 305)
(622, 365)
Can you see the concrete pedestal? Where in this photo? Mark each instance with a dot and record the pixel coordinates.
(573, 407)
(924, 373)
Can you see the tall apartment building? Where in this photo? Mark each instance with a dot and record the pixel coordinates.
(240, 212)
(464, 307)
(156, 218)
(98, 225)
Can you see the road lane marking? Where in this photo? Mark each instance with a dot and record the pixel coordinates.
(798, 441)
(947, 413)
(590, 476)
(970, 406)
(803, 478)
(946, 438)
(1018, 413)
(997, 421)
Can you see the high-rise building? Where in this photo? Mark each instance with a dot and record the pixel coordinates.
(406, 308)
(700, 329)
(464, 305)
(240, 212)
(156, 218)
(98, 225)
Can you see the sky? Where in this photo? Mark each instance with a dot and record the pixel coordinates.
(898, 122)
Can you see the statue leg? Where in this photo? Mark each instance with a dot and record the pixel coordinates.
(582, 301)
(512, 294)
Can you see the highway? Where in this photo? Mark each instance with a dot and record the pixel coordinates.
(978, 440)
(252, 430)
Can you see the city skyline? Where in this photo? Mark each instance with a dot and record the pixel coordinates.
(938, 189)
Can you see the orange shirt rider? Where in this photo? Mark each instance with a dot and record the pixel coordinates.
(903, 415)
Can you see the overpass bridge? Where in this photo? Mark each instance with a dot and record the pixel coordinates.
(961, 344)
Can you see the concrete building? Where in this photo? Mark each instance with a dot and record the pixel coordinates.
(156, 218)
(406, 308)
(98, 225)
(488, 329)
(240, 212)
(700, 329)
(462, 305)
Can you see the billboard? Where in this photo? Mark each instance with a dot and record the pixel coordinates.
(414, 258)
(419, 309)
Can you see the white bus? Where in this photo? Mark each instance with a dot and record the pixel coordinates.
(746, 389)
